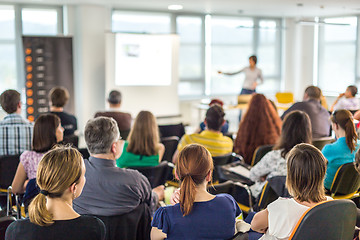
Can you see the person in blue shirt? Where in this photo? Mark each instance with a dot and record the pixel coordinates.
(343, 150)
(198, 215)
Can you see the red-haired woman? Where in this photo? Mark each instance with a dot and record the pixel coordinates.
(261, 125)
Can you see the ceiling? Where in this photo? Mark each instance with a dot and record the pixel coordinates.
(279, 8)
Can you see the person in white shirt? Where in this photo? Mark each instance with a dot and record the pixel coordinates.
(347, 100)
(306, 167)
(252, 74)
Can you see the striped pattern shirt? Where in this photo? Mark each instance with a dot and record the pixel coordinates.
(215, 142)
(15, 135)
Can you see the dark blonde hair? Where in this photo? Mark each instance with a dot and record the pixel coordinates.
(144, 136)
(345, 120)
(192, 167)
(306, 167)
(57, 171)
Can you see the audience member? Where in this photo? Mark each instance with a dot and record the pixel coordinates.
(199, 215)
(61, 179)
(225, 126)
(347, 100)
(15, 132)
(261, 125)
(47, 132)
(211, 138)
(319, 116)
(59, 96)
(110, 190)
(306, 168)
(123, 119)
(296, 129)
(343, 150)
(143, 148)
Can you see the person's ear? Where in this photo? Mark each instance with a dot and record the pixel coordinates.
(19, 105)
(223, 122)
(72, 188)
(209, 176)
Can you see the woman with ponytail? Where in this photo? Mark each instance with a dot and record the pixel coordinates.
(198, 215)
(343, 150)
(61, 178)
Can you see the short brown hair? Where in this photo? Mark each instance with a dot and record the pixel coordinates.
(10, 100)
(215, 117)
(306, 167)
(192, 167)
(44, 133)
(313, 92)
(59, 96)
(353, 89)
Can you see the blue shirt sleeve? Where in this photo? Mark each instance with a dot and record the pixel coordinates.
(237, 209)
(161, 220)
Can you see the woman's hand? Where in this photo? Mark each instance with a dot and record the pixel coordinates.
(175, 197)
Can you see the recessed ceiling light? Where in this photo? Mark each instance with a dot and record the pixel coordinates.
(175, 7)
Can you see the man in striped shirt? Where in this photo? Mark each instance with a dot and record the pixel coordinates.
(15, 131)
(211, 138)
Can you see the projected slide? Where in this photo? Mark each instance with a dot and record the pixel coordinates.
(143, 60)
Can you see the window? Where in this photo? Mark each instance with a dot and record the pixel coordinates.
(39, 21)
(7, 48)
(337, 54)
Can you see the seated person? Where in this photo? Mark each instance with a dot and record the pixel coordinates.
(61, 178)
(15, 131)
(47, 132)
(143, 148)
(225, 127)
(261, 125)
(110, 190)
(343, 150)
(347, 100)
(306, 168)
(198, 215)
(211, 138)
(296, 129)
(123, 119)
(59, 96)
(319, 116)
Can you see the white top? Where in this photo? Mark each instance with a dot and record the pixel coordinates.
(251, 76)
(347, 103)
(284, 213)
(272, 164)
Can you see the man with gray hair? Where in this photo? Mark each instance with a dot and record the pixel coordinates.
(110, 190)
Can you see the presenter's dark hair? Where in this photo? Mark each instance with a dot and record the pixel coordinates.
(215, 117)
(254, 58)
(10, 100)
(44, 133)
(296, 128)
(59, 96)
(114, 97)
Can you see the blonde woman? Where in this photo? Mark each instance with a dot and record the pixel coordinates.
(143, 147)
(61, 178)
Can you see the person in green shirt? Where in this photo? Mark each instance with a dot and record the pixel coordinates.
(143, 147)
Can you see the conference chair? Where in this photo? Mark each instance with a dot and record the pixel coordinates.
(346, 182)
(272, 190)
(8, 166)
(319, 143)
(170, 144)
(84, 152)
(260, 152)
(156, 175)
(218, 162)
(240, 192)
(284, 100)
(130, 226)
(4, 223)
(172, 130)
(331, 220)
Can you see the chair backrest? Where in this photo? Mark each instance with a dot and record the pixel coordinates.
(260, 152)
(4, 223)
(156, 175)
(284, 97)
(331, 220)
(218, 162)
(84, 152)
(71, 139)
(319, 143)
(273, 188)
(346, 180)
(170, 144)
(8, 166)
(124, 134)
(172, 130)
(131, 226)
